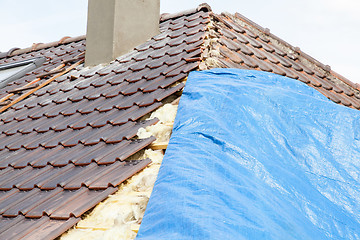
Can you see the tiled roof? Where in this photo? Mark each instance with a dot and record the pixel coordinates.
(244, 44)
(81, 123)
(63, 148)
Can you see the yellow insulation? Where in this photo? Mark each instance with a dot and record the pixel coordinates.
(161, 130)
(120, 215)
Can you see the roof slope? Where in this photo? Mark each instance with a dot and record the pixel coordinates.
(244, 44)
(82, 124)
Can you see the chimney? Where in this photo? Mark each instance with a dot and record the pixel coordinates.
(115, 27)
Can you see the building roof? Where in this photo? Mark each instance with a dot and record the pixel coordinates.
(81, 122)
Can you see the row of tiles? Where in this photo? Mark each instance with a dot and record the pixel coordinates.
(242, 50)
(101, 153)
(20, 227)
(57, 203)
(69, 177)
(87, 136)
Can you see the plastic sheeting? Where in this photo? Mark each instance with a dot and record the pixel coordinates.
(254, 155)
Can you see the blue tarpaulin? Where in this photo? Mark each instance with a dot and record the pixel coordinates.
(255, 155)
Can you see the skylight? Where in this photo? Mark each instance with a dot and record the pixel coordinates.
(12, 71)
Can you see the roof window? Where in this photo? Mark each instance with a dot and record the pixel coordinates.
(12, 71)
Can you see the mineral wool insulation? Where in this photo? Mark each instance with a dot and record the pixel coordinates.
(120, 215)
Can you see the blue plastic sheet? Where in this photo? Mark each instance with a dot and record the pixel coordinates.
(254, 155)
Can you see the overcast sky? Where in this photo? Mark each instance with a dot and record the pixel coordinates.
(325, 29)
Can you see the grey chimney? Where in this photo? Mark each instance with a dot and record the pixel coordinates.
(115, 27)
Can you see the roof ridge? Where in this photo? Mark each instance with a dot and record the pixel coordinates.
(39, 46)
(311, 59)
(202, 7)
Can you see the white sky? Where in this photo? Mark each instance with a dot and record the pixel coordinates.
(325, 29)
